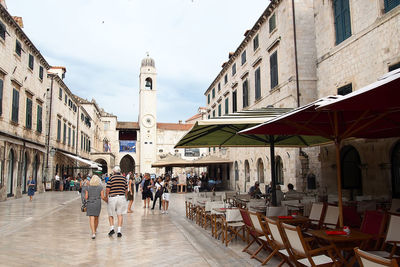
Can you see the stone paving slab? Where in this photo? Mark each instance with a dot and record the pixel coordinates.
(52, 231)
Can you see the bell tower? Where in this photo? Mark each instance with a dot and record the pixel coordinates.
(147, 114)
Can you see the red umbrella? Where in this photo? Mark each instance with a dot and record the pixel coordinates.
(370, 112)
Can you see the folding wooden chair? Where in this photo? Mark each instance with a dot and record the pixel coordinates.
(250, 231)
(392, 239)
(301, 251)
(233, 225)
(316, 215)
(366, 259)
(331, 217)
(261, 237)
(217, 221)
(374, 223)
(276, 242)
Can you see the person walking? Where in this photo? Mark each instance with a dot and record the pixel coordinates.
(146, 190)
(159, 186)
(116, 194)
(138, 180)
(31, 188)
(94, 193)
(131, 193)
(57, 182)
(166, 194)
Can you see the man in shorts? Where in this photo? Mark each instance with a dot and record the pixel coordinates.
(116, 193)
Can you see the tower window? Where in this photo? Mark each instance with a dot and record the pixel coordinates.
(149, 84)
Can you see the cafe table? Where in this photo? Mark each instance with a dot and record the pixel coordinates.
(294, 220)
(342, 242)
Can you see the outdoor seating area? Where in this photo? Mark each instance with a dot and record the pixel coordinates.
(295, 237)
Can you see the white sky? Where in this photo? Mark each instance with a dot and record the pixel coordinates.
(103, 42)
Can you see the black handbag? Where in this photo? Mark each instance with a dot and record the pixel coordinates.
(83, 207)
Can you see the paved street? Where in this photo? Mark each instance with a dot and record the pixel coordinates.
(52, 231)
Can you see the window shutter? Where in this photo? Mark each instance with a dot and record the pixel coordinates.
(273, 61)
(41, 72)
(257, 83)
(15, 106)
(234, 101)
(58, 130)
(390, 4)
(342, 20)
(245, 94)
(1, 97)
(2, 31)
(39, 119)
(28, 113)
(30, 62)
(226, 105)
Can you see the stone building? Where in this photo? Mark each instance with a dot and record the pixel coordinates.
(23, 84)
(358, 42)
(273, 66)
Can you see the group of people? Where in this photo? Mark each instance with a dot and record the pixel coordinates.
(68, 182)
(255, 192)
(119, 196)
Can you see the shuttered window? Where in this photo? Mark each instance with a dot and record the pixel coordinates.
(58, 130)
(41, 72)
(213, 92)
(394, 67)
(344, 90)
(272, 23)
(255, 43)
(257, 79)
(234, 101)
(18, 47)
(245, 93)
(69, 136)
(15, 106)
(73, 137)
(233, 69)
(342, 20)
(1, 97)
(244, 57)
(208, 99)
(214, 113)
(65, 133)
(2, 31)
(39, 118)
(226, 78)
(28, 121)
(273, 64)
(226, 105)
(390, 4)
(219, 87)
(31, 61)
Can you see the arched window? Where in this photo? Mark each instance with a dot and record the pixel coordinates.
(351, 172)
(24, 173)
(279, 170)
(149, 84)
(260, 171)
(10, 176)
(396, 171)
(236, 171)
(247, 170)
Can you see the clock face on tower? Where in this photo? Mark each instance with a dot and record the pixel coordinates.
(148, 120)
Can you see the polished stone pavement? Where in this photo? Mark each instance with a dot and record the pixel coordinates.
(52, 231)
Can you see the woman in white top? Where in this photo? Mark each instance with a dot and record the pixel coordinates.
(166, 194)
(159, 191)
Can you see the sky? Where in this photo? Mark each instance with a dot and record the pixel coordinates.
(102, 43)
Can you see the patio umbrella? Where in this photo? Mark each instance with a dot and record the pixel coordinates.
(222, 132)
(370, 112)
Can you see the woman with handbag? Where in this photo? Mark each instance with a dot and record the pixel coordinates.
(93, 195)
(131, 192)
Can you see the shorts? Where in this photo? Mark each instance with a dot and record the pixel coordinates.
(165, 196)
(117, 205)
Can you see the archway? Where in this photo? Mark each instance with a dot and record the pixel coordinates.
(104, 167)
(260, 171)
(351, 172)
(396, 171)
(278, 170)
(247, 170)
(24, 172)
(127, 164)
(10, 177)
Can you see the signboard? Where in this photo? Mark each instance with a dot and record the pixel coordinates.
(192, 152)
(127, 146)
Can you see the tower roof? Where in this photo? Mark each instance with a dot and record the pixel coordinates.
(148, 62)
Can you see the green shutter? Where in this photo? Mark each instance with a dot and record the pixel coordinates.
(341, 10)
(226, 105)
(219, 110)
(39, 119)
(390, 4)
(58, 130)
(1, 97)
(257, 83)
(234, 101)
(30, 62)
(245, 94)
(28, 122)
(15, 106)
(273, 64)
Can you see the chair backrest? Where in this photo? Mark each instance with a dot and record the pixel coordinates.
(316, 212)
(366, 259)
(373, 223)
(285, 202)
(276, 211)
(331, 216)
(246, 218)
(274, 231)
(255, 222)
(393, 233)
(295, 239)
(233, 215)
(351, 217)
(216, 205)
(208, 206)
(395, 207)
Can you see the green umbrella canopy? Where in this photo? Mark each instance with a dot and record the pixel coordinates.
(222, 132)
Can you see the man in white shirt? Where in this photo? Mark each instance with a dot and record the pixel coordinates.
(57, 184)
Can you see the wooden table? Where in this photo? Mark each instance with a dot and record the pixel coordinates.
(295, 221)
(343, 242)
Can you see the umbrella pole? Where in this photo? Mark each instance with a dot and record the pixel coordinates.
(339, 183)
(273, 174)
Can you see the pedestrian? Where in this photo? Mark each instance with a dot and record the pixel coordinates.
(159, 187)
(146, 190)
(138, 180)
(116, 193)
(106, 178)
(57, 182)
(31, 188)
(131, 192)
(166, 194)
(93, 196)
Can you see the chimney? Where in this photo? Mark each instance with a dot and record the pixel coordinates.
(180, 121)
(59, 70)
(19, 21)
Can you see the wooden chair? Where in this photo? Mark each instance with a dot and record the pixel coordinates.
(331, 217)
(250, 231)
(276, 242)
(395, 207)
(316, 215)
(217, 221)
(366, 259)
(374, 223)
(301, 251)
(261, 237)
(207, 218)
(350, 217)
(392, 239)
(233, 225)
